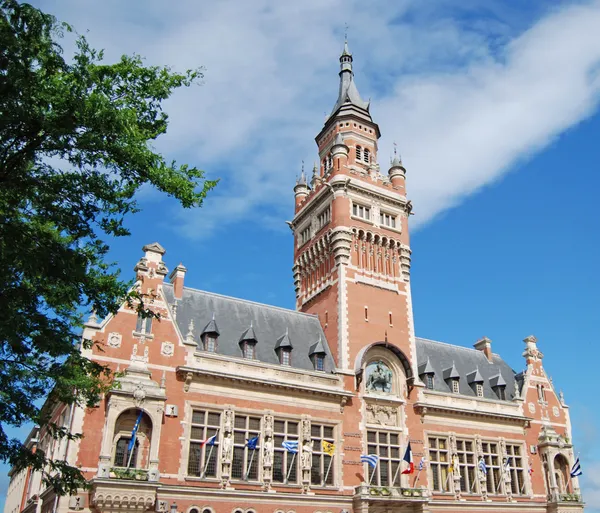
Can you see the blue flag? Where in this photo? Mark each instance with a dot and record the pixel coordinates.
(290, 446)
(134, 431)
(482, 466)
(371, 459)
(576, 469)
(252, 442)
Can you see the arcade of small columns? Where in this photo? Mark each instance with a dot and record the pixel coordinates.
(369, 252)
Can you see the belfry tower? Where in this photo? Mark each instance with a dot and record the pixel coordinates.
(352, 254)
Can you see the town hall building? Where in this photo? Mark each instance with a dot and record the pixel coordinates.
(223, 405)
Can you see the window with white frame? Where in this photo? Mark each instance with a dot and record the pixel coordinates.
(361, 211)
(517, 468)
(491, 457)
(466, 463)
(202, 459)
(305, 235)
(366, 155)
(210, 342)
(455, 386)
(285, 465)
(285, 355)
(388, 220)
(429, 380)
(387, 446)
(323, 217)
(438, 463)
(321, 461)
(479, 389)
(244, 463)
(143, 325)
(358, 153)
(249, 349)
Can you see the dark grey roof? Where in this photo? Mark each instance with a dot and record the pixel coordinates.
(249, 335)
(474, 377)
(426, 368)
(451, 372)
(284, 341)
(444, 357)
(211, 327)
(317, 348)
(497, 381)
(268, 324)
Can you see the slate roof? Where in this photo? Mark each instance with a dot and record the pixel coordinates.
(268, 325)
(443, 358)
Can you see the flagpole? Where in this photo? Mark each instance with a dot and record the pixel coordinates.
(396, 473)
(131, 452)
(250, 465)
(327, 473)
(373, 473)
(416, 478)
(287, 477)
(207, 460)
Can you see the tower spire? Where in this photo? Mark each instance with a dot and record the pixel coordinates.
(348, 93)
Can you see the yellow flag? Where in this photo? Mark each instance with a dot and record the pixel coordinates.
(328, 447)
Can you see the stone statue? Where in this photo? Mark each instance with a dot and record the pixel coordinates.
(268, 423)
(379, 378)
(227, 448)
(306, 457)
(268, 452)
(228, 421)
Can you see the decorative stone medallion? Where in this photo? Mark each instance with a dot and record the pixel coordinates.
(531, 407)
(555, 411)
(114, 339)
(167, 349)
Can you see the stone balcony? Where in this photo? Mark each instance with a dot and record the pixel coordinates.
(410, 499)
(565, 503)
(131, 489)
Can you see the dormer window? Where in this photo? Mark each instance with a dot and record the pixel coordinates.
(476, 381)
(248, 349)
(429, 381)
(285, 356)
(320, 362)
(143, 325)
(498, 385)
(427, 374)
(479, 389)
(317, 355)
(210, 342)
(455, 386)
(283, 348)
(248, 342)
(501, 392)
(210, 336)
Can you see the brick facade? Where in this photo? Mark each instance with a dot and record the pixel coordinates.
(357, 377)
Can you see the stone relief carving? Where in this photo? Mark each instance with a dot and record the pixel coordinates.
(378, 377)
(167, 348)
(555, 411)
(114, 339)
(227, 447)
(268, 452)
(383, 415)
(306, 455)
(531, 407)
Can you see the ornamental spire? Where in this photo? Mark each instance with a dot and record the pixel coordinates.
(348, 93)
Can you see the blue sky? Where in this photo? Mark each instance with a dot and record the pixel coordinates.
(494, 108)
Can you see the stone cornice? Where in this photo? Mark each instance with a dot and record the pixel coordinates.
(425, 408)
(304, 388)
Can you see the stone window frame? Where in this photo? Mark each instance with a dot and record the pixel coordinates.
(126, 433)
(207, 431)
(390, 455)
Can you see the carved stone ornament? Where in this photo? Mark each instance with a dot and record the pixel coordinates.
(114, 339)
(139, 394)
(555, 411)
(383, 415)
(378, 378)
(531, 407)
(167, 349)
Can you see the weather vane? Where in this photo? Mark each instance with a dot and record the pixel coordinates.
(346, 32)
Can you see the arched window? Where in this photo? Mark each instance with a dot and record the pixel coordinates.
(358, 153)
(138, 455)
(366, 155)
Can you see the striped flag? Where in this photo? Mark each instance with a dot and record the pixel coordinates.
(210, 441)
(371, 459)
(134, 431)
(408, 458)
(482, 466)
(576, 469)
(290, 446)
(422, 464)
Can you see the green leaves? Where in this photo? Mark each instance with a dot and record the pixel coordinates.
(75, 147)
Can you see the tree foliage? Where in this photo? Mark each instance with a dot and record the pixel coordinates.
(75, 146)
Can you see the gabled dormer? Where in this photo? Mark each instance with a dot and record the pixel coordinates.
(475, 381)
(427, 374)
(317, 355)
(283, 348)
(248, 342)
(452, 378)
(498, 384)
(210, 336)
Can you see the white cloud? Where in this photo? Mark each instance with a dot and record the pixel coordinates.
(465, 100)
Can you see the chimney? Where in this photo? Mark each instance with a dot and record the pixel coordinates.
(177, 277)
(485, 345)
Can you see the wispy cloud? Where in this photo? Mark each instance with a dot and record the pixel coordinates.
(466, 95)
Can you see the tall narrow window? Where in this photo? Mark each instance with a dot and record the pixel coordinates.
(466, 465)
(515, 452)
(202, 460)
(366, 313)
(123, 455)
(285, 465)
(455, 386)
(321, 461)
(492, 462)
(248, 349)
(366, 156)
(439, 462)
(246, 427)
(285, 356)
(143, 325)
(479, 389)
(210, 342)
(387, 446)
(358, 153)
(390, 319)
(320, 362)
(429, 381)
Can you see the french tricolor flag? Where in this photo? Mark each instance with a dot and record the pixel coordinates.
(209, 441)
(408, 457)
